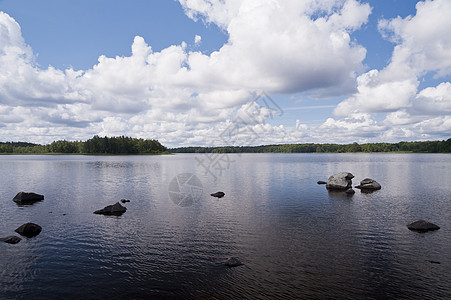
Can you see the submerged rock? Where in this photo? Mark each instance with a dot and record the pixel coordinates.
(29, 230)
(115, 209)
(350, 191)
(11, 239)
(27, 198)
(434, 262)
(321, 182)
(422, 225)
(233, 262)
(369, 184)
(218, 194)
(340, 181)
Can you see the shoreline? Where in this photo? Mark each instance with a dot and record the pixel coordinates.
(238, 153)
(90, 154)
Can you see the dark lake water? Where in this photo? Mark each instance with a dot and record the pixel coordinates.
(296, 239)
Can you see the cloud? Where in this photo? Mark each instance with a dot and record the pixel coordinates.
(197, 39)
(358, 125)
(273, 46)
(428, 115)
(21, 82)
(182, 96)
(433, 100)
(422, 44)
(377, 93)
(276, 46)
(423, 40)
(212, 11)
(279, 46)
(421, 48)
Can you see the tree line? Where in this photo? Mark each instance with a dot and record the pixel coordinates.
(128, 145)
(95, 145)
(415, 147)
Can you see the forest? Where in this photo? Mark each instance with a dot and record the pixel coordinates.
(129, 145)
(414, 147)
(95, 145)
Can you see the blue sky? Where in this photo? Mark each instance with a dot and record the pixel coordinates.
(67, 70)
(76, 33)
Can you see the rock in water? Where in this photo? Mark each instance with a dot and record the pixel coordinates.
(434, 262)
(125, 200)
(218, 194)
(340, 181)
(321, 182)
(369, 184)
(350, 191)
(233, 262)
(115, 209)
(11, 239)
(27, 198)
(422, 225)
(29, 230)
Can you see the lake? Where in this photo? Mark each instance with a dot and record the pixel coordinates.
(296, 239)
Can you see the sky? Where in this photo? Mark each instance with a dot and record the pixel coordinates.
(226, 72)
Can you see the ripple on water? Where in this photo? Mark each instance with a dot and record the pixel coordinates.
(295, 238)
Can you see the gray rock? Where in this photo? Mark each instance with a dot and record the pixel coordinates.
(369, 184)
(218, 194)
(115, 209)
(321, 182)
(29, 230)
(11, 239)
(350, 191)
(422, 225)
(27, 198)
(340, 181)
(233, 262)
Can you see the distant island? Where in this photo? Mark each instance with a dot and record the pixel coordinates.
(97, 145)
(414, 147)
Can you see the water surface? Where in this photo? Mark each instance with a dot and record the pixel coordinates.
(295, 238)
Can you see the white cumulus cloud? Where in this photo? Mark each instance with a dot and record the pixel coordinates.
(422, 44)
(184, 96)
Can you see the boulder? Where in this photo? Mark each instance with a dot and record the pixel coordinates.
(350, 191)
(422, 225)
(233, 262)
(340, 181)
(27, 198)
(321, 182)
(29, 230)
(115, 209)
(11, 239)
(218, 194)
(369, 184)
(125, 200)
